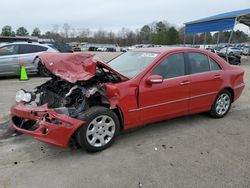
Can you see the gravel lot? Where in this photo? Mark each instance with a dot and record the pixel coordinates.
(193, 151)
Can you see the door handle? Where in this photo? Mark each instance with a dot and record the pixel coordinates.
(218, 76)
(186, 82)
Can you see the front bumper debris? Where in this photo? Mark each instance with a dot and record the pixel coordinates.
(44, 124)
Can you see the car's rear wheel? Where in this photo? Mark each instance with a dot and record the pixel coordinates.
(222, 104)
(100, 131)
(43, 71)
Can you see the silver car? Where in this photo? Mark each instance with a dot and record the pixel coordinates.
(246, 51)
(12, 54)
(231, 51)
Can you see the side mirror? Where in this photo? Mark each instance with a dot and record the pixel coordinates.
(154, 79)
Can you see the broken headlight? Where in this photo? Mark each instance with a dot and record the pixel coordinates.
(24, 96)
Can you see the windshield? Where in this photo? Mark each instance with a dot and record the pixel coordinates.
(130, 64)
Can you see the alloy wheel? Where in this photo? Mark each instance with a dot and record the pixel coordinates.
(223, 104)
(100, 131)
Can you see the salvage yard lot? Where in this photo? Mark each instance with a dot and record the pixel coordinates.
(192, 151)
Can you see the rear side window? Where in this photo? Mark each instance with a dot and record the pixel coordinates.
(8, 50)
(41, 48)
(26, 48)
(198, 62)
(172, 66)
(214, 65)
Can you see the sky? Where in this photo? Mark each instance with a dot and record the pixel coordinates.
(110, 14)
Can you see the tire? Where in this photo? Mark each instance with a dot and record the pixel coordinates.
(221, 105)
(230, 54)
(234, 62)
(100, 131)
(43, 71)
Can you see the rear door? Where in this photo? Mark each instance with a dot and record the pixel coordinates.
(205, 81)
(9, 60)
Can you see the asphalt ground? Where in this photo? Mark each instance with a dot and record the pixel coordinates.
(191, 151)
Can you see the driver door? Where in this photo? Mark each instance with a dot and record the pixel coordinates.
(158, 101)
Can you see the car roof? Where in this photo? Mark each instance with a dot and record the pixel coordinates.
(23, 42)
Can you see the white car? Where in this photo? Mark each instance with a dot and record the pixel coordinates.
(231, 51)
(13, 54)
(246, 51)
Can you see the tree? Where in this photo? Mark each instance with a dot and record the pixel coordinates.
(66, 29)
(22, 31)
(55, 28)
(239, 36)
(36, 32)
(160, 36)
(111, 37)
(172, 36)
(145, 34)
(84, 32)
(160, 27)
(13, 33)
(100, 36)
(55, 36)
(6, 31)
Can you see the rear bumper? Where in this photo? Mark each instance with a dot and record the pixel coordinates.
(238, 90)
(44, 124)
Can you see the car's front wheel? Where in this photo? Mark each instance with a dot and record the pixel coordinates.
(100, 131)
(222, 104)
(43, 71)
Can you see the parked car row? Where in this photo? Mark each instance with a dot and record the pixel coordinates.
(230, 54)
(12, 54)
(233, 49)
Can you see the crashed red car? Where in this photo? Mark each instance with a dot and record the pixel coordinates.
(90, 102)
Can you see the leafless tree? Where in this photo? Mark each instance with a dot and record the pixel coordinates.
(66, 29)
(84, 32)
(55, 28)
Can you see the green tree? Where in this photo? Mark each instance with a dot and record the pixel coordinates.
(160, 35)
(22, 31)
(160, 27)
(6, 31)
(13, 33)
(36, 32)
(145, 34)
(239, 36)
(172, 36)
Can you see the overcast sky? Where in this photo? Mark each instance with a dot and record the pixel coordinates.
(109, 14)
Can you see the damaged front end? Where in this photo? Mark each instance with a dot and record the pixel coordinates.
(53, 111)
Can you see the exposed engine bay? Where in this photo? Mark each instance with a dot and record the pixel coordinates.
(73, 98)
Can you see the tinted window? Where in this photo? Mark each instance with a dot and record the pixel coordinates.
(198, 62)
(27, 48)
(172, 66)
(8, 50)
(41, 48)
(214, 65)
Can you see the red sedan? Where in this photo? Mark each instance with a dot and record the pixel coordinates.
(90, 102)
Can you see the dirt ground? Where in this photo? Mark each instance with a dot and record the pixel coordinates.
(193, 151)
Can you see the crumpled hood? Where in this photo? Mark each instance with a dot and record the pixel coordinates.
(72, 67)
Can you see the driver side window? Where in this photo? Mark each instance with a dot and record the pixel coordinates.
(172, 66)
